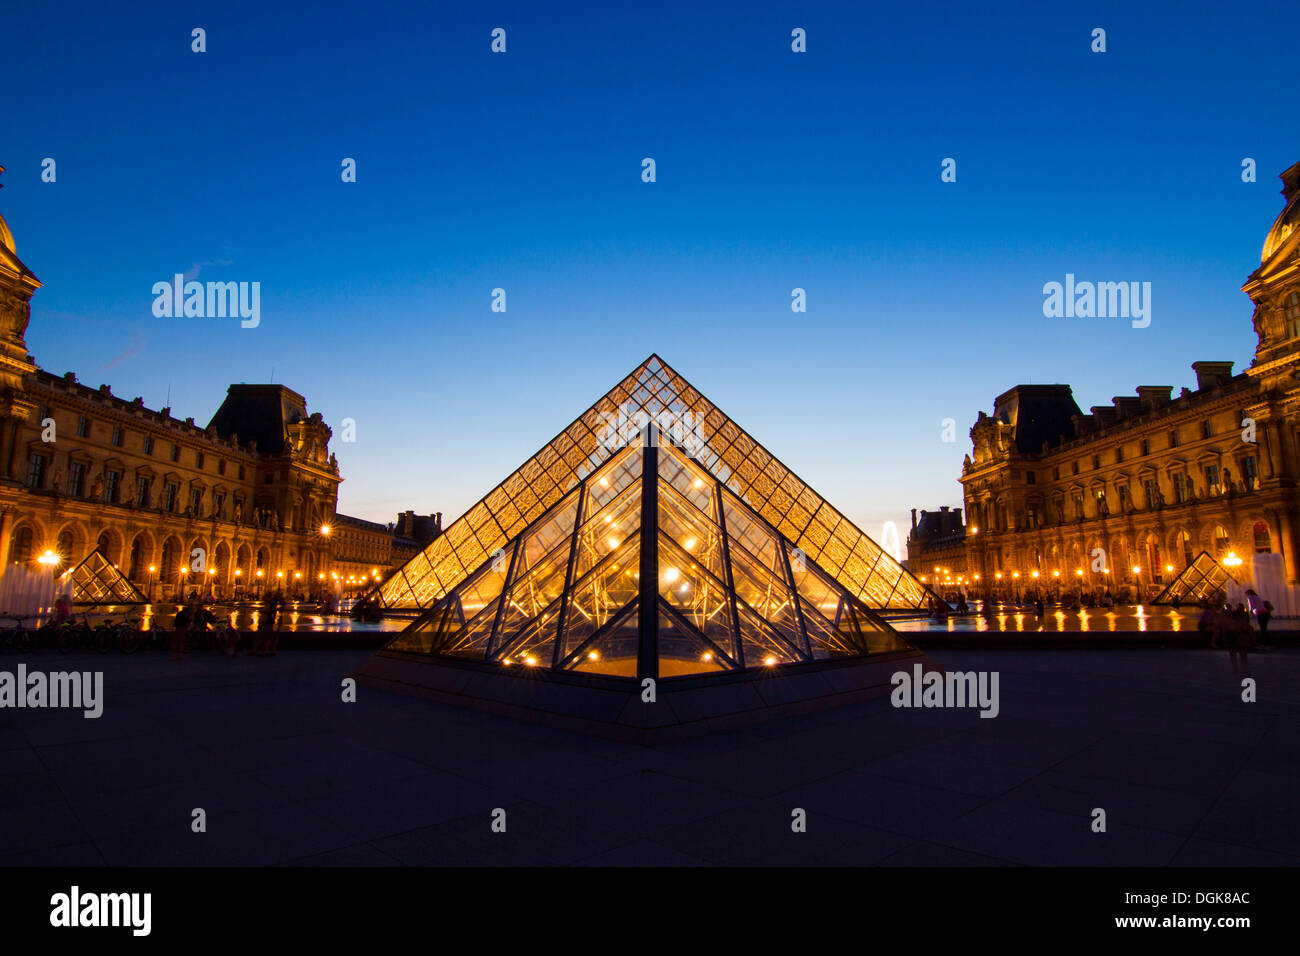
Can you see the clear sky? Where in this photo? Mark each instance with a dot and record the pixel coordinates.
(522, 170)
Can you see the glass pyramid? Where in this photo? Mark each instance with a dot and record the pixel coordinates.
(649, 566)
(1203, 578)
(96, 581)
(654, 393)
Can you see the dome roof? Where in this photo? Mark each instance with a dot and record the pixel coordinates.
(1287, 224)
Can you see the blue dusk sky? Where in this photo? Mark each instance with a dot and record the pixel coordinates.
(522, 170)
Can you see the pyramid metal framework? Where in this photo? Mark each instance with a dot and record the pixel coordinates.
(1203, 578)
(649, 567)
(654, 393)
(95, 581)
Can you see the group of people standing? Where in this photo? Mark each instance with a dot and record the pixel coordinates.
(197, 618)
(1234, 629)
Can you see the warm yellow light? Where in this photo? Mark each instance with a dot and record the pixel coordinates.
(259, 572)
(974, 530)
(999, 575)
(279, 574)
(1035, 574)
(212, 570)
(1015, 574)
(770, 660)
(530, 661)
(612, 541)
(1079, 572)
(1169, 567)
(707, 656)
(238, 572)
(936, 570)
(1231, 559)
(324, 529)
(699, 482)
(321, 576)
(374, 570)
(977, 577)
(1137, 569)
(670, 575)
(594, 656)
(297, 574)
(923, 579)
(184, 570)
(689, 544)
(152, 569)
(49, 558)
(1056, 574)
(604, 482)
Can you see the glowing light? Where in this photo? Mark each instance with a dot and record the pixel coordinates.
(321, 576)
(259, 572)
(297, 574)
(530, 661)
(1056, 574)
(770, 660)
(1137, 569)
(594, 656)
(212, 570)
(152, 569)
(707, 656)
(977, 577)
(238, 572)
(689, 544)
(974, 530)
(612, 541)
(279, 574)
(1035, 574)
(184, 570)
(699, 483)
(1231, 560)
(49, 558)
(999, 575)
(604, 482)
(325, 529)
(1078, 572)
(1169, 568)
(1015, 574)
(670, 575)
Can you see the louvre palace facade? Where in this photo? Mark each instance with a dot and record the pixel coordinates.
(244, 504)
(1124, 497)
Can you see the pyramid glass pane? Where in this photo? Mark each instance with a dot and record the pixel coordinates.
(614, 651)
(682, 650)
(654, 392)
(1203, 579)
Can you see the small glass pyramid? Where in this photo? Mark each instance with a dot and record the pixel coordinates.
(654, 393)
(95, 581)
(1202, 579)
(649, 566)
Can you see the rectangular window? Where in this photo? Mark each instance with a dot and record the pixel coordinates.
(112, 486)
(269, 479)
(141, 491)
(1056, 473)
(1180, 488)
(196, 502)
(83, 426)
(36, 472)
(1096, 461)
(76, 479)
(1212, 479)
(1031, 477)
(1146, 447)
(176, 452)
(218, 506)
(1153, 493)
(169, 496)
(221, 466)
(1119, 454)
(1173, 438)
(1206, 430)
(1076, 467)
(117, 436)
(198, 459)
(148, 444)
(44, 414)
(1123, 498)
(1248, 469)
(241, 472)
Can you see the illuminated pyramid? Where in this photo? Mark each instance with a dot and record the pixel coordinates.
(95, 581)
(1203, 579)
(649, 556)
(654, 393)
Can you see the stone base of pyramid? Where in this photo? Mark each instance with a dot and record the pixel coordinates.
(613, 708)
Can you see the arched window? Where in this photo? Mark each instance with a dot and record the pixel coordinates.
(1185, 545)
(1262, 544)
(65, 546)
(20, 549)
(1221, 542)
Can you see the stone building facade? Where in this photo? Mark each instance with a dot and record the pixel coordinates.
(936, 548)
(1124, 497)
(244, 504)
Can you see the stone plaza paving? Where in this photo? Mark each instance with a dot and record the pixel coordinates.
(287, 773)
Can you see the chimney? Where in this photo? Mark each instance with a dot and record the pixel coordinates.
(1210, 374)
(1154, 396)
(913, 519)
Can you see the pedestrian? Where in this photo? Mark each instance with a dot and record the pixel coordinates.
(181, 632)
(1238, 639)
(1263, 616)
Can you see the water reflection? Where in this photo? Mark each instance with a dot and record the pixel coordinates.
(1129, 617)
(246, 617)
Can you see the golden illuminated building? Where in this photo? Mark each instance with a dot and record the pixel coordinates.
(236, 508)
(1125, 497)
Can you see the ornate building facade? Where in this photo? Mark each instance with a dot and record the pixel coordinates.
(936, 548)
(243, 505)
(1123, 498)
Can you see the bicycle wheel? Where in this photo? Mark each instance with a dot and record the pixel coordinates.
(130, 640)
(105, 641)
